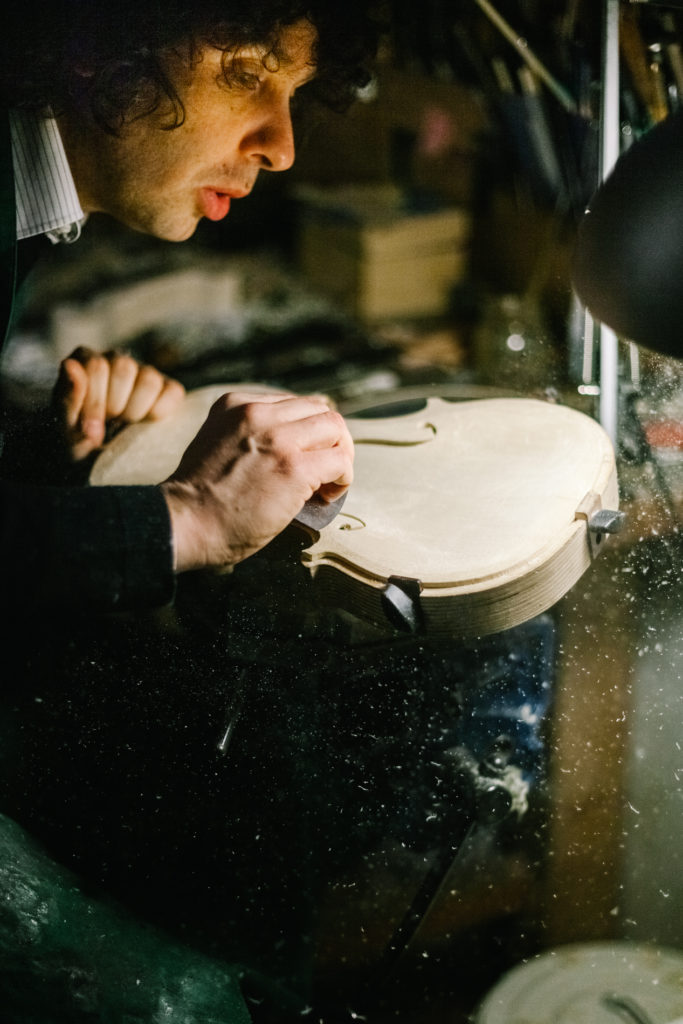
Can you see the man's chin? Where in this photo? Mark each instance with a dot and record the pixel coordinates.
(176, 234)
(165, 232)
(180, 238)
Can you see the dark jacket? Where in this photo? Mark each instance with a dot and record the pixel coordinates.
(84, 548)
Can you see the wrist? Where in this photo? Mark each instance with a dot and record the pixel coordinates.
(176, 501)
(194, 539)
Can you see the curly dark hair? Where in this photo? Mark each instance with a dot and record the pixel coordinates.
(122, 44)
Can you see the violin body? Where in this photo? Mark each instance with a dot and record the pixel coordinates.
(465, 518)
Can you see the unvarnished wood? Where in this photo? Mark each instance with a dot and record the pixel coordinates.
(483, 502)
(148, 452)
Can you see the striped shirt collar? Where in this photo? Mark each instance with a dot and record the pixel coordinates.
(46, 198)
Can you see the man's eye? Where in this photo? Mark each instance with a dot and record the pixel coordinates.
(244, 78)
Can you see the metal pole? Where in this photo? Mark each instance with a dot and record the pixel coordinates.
(610, 133)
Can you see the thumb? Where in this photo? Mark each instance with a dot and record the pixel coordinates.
(69, 392)
(82, 435)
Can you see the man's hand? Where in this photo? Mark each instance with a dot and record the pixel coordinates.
(249, 470)
(95, 391)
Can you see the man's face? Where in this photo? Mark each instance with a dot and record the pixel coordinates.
(163, 182)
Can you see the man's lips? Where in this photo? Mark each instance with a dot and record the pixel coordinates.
(215, 204)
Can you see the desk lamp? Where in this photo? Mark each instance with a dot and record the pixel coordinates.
(628, 260)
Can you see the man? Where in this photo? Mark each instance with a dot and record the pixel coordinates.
(165, 115)
(157, 115)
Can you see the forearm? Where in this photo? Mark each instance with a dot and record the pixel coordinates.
(87, 549)
(33, 450)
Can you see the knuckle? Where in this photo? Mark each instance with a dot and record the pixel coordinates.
(221, 404)
(81, 354)
(96, 364)
(148, 375)
(229, 400)
(334, 419)
(169, 398)
(122, 361)
(288, 462)
(256, 416)
(173, 389)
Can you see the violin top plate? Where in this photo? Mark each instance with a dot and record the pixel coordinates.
(482, 502)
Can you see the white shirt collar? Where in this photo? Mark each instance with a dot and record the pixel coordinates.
(46, 198)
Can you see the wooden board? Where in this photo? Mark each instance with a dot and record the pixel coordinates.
(483, 502)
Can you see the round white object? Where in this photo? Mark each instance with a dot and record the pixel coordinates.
(568, 985)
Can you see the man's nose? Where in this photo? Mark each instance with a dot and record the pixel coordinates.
(270, 144)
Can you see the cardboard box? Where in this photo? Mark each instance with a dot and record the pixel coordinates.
(377, 259)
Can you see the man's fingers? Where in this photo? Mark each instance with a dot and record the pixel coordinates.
(94, 390)
(115, 386)
(270, 407)
(92, 370)
(231, 399)
(332, 491)
(82, 395)
(326, 449)
(139, 392)
(172, 394)
(324, 429)
(147, 388)
(93, 415)
(69, 396)
(123, 374)
(331, 470)
(70, 390)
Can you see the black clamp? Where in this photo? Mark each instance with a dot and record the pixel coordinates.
(401, 604)
(601, 523)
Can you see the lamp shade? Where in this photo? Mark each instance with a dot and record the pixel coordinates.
(628, 258)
